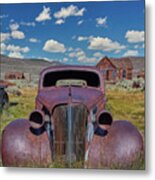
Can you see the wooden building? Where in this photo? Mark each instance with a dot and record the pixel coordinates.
(115, 69)
(14, 75)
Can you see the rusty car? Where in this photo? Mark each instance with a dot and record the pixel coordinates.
(4, 98)
(70, 124)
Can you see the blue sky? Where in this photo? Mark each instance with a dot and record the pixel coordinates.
(73, 33)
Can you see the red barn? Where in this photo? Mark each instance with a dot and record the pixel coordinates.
(115, 69)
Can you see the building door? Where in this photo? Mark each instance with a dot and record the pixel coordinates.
(108, 75)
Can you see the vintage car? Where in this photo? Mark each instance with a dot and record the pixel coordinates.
(71, 125)
(4, 98)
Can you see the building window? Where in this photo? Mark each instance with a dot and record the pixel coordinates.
(113, 74)
(124, 74)
(103, 72)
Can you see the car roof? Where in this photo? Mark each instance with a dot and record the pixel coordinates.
(70, 67)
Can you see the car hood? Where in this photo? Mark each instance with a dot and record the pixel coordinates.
(63, 95)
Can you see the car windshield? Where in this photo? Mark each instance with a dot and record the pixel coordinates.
(71, 77)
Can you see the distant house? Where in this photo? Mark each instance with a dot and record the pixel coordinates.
(141, 74)
(14, 75)
(115, 69)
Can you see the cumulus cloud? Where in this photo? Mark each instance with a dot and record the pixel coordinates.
(104, 44)
(4, 37)
(54, 46)
(101, 21)
(15, 55)
(133, 36)
(14, 48)
(69, 11)
(2, 47)
(77, 53)
(33, 24)
(98, 54)
(14, 51)
(44, 15)
(85, 59)
(60, 21)
(131, 53)
(14, 26)
(33, 40)
(81, 56)
(17, 35)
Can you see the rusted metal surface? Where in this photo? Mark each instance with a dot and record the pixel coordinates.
(70, 132)
(23, 147)
(88, 96)
(76, 127)
(120, 148)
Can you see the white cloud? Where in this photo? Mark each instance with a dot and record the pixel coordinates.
(82, 38)
(104, 44)
(65, 59)
(80, 53)
(143, 45)
(131, 53)
(33, 40)
(3, 16)
(54, 46)
(14, 26)
(136, 46)
(80, 22)
(84, 59)
(60, 21)
(72, 54)
(69, 11)
(81, 56)
(14, 48)
(12, 20)
(15, 51)
(15, 55)
(33, 24)
(98, 54)
(2, 48)
(25, 49)
(44, 15)
(139, 46)
(17, 35)
(101, 21)
(4, 37)
(77, 53)
(70, 49)
(133, 36)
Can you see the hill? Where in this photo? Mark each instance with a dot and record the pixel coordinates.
(27, 66)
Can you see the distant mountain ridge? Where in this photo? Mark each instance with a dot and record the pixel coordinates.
(34, 66)
(30, 66)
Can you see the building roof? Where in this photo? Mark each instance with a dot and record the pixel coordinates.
(124, 62)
